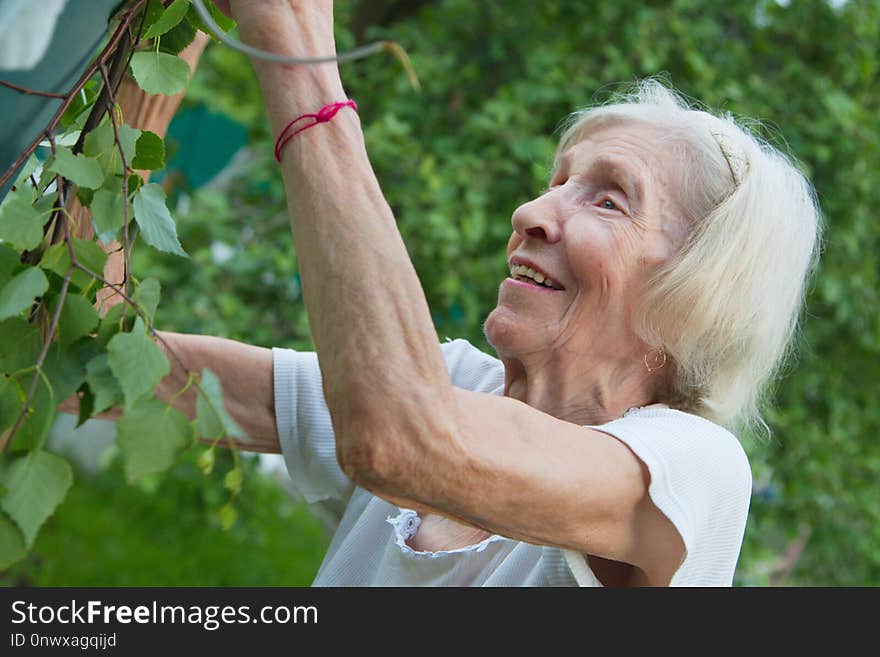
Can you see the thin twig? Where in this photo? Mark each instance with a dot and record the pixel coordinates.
(6, 439)
(62, 295)
(32, 92)
(193, 378)
(136, 308)
(57, 218)
(118, 66)
(120, 59)
(111, 104)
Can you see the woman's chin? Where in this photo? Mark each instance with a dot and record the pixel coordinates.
(508, 333)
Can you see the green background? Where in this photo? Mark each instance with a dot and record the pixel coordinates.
(454, 161)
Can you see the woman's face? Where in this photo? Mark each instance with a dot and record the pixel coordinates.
(607, 221)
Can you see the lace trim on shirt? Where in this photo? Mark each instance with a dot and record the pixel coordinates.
(406, 524)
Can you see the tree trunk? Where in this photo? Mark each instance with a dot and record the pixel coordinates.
(147, 112)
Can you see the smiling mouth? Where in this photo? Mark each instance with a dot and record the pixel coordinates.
(526, 274)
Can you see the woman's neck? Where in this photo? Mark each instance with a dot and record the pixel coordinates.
(583, 391)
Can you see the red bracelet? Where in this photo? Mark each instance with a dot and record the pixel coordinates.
(322, 116)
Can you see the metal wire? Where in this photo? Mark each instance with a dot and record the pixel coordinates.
(217, 32)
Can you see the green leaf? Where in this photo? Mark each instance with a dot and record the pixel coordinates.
(232, 481)
(78, 318)
(54, 259)
(81, 102)
(128, 137)
(66, 368)
(205, 461)
(155, 221)
(46, 203)
(159, 72)
(35, 485)
(9, 262)
(79, 169)
(11, 402)
(227, 516)
(137, 362)
(86, 405)
(212, 418)
(19, 293)
(100, 141)
(150, 436)
(178, 39)
(223, 21)
(11, 543)
(30, 166)
(150, 151)
(112, 322)
(103, 384)
(147, 296)
(89, 254)
(20, 224)
(20, 345)
(46, 177)
(22, 190)
(169, 18)
(135, 182)
(152, 12)
(100, 144)
(40, 416)
(85, 195)
(108, 214)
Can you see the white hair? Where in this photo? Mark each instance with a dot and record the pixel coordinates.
(726, 306)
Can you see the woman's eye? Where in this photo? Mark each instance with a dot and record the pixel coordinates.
(608, 204)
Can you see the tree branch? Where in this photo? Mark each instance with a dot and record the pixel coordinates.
(126, 248)
(109, 50)
(32, 92)
(6, 439)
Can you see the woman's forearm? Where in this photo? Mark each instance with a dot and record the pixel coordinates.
(377, 346)
(246, 376)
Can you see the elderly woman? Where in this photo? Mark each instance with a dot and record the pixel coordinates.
(653, 290)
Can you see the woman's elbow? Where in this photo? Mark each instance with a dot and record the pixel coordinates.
(397, 457)
(365, 457)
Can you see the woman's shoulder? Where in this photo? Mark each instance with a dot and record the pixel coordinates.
(683, 442)
(666, 419)
(700, 479)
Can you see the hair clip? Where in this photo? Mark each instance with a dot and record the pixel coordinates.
(738, 165)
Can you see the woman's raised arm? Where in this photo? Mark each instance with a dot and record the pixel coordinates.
(245, 373)
(367, 311)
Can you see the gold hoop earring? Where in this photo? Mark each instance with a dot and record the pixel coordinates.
(658, 360)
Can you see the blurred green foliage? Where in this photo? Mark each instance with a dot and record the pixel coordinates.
(166, 531)
(457, 158)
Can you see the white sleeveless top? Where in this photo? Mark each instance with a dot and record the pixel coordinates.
(700, 479)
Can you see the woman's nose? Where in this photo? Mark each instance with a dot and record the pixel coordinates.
(537, 219)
